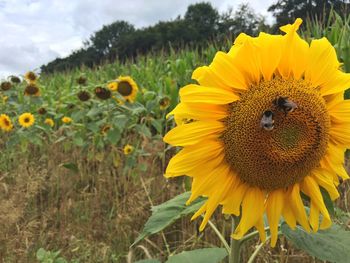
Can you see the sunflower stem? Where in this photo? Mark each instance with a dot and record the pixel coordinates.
(220, 236)
(235, 244)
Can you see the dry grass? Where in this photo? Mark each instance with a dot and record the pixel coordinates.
(94, 215)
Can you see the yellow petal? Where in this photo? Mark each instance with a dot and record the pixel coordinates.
(295, 50)
(339, 82)
(325, 179)
(205, 76)
(270, 47)
(252, 211)
(298, 207)
(212, 95)
(323, 62)
(224, 68)
(311, 188)
(288, 215)
(314, 217)
(192, 156)
(274, 206)
(199, 111)
(194, 132)
(232, 203)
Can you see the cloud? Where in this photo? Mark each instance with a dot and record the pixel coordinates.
(35, 32)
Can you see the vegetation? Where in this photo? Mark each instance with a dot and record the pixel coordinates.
(73, 192)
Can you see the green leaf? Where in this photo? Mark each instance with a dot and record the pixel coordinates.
(157, 124)
(331, 244)
(114, 135)
(152, 260)
(204, 255)
(70, 166)
(328, 201)
(166, 214)
(40, 254)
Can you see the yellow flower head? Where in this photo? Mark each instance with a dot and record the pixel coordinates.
(128, 149)
(49, 122)
(269, 122)
(30, 77)
(113, 86)
(32, 90)
(5, 123)
(66, 120)
(127, 87)
(26, 120)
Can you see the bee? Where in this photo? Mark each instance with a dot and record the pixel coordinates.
(267, 121)
(284, 104)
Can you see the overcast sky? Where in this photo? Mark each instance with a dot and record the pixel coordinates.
(34, 32)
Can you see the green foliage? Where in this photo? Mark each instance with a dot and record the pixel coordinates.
(204, 255)
(331, 244)
(167, 213)
(49, 256)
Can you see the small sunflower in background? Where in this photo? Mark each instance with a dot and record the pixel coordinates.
(105, 129)
(269, 122)
(49, 122)
(31, 77)
(83, 95)
(42, 111)
(128, 149)
(82, 80)
(113, 86)
(102, 93)
(127, 87)
(32, 90)
(6, 85)
(26, 119)
(5, 123)
(66, 120)
(4, 98)
(15, 79)
(164, 103)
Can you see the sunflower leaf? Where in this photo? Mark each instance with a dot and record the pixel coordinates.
(331, 244)
(204, 255)
(167, 213)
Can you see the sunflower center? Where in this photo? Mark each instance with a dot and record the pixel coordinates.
(124, 88)
(290, 148)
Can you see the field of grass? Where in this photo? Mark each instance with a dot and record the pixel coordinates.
(72, 189)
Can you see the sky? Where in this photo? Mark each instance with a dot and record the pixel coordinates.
(34, 32)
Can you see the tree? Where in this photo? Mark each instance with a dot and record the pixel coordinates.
(286, 11)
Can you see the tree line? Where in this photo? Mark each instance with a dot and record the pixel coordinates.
(200, 24)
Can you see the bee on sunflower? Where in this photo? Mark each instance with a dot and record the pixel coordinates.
(127, 87)
(26, 120)
(269, 123)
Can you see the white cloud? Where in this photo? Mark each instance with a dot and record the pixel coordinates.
(35, 32)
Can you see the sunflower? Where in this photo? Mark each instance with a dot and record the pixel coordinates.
(30, 77)
(31, 90)
(42, 111)
(66, 120)
(164, 103)
(82, 80)
(83, 95)
(128, 149)
(102, 93)
(127, 87)
(113, 86)
(15, 79)
(105, 129)
(49, 122)
(26, 119)
(6, 85)
(269, 122)
(5, 123)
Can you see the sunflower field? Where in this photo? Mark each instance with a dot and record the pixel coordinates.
(83, 159)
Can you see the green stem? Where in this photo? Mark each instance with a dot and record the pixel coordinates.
(256, 251)
(222, 239)
(235, 244)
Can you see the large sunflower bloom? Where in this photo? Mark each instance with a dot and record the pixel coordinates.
(26, 120)
(267, 122)
(127, 87)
